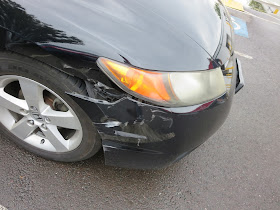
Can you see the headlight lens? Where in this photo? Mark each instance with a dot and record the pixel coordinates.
(171, 89)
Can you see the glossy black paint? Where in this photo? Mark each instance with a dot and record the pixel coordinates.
(143, 136)
(158, 35)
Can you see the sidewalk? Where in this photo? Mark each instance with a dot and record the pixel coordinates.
(270, 6)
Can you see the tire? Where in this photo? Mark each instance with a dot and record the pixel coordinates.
(42, 129)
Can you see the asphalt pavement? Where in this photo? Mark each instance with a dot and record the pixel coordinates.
(237, 168)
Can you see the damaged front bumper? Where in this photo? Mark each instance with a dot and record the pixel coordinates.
(139, 135)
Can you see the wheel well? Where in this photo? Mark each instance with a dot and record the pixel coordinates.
(71, 64)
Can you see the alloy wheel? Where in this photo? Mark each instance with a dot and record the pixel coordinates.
(37, 115)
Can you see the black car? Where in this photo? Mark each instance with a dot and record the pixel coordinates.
(148, 81)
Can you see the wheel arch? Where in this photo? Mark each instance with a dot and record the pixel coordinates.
(69, 62)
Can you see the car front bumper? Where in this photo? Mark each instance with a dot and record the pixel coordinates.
(139, 135)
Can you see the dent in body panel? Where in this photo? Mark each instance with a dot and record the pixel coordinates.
(131, 121)
(127, 120)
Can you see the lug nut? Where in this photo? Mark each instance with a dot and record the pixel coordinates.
(43, 126)
(30, 122)
(47, 120)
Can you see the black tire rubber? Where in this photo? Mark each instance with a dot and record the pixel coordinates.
(59, 82)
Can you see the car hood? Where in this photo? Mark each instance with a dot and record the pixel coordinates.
(172, 35)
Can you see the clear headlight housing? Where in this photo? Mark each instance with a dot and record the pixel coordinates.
(170, 89)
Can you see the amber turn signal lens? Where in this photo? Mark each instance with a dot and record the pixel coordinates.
(146, 83)
(171, 89)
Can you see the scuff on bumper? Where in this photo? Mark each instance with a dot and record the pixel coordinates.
(138, 135)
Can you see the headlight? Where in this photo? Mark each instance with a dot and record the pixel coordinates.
(171, 89)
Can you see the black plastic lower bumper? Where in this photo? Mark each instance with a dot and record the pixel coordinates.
(139, 135)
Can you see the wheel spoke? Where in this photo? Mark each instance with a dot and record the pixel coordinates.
(21, 129)
(33, 93)
(56, 139)
(61, 119)
(12, 103)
